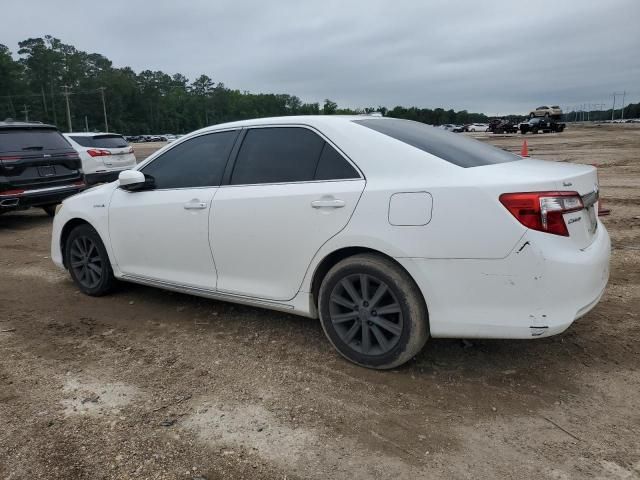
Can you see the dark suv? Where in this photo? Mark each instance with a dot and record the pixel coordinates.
(38, 167)
(541, 124)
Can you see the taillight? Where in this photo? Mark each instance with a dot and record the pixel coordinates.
(543, 211)
(95, 152)
(11, 193)
(10, 159)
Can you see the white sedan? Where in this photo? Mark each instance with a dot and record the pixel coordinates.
(389, 231)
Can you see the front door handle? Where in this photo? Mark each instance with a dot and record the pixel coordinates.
(195, 204)
(328, 203)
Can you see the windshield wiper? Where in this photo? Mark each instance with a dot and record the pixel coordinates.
(34, 147)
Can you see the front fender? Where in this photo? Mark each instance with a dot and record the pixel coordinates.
(90, 206)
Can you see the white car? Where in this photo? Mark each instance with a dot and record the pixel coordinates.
(103, 155)
(543, 111)
(478, 127)
(389, 231)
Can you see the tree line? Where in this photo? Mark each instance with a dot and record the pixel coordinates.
(34, 86)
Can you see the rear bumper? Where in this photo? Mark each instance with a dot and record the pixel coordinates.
(38, 197)
(536, 291)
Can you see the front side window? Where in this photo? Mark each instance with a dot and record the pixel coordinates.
(197, 162)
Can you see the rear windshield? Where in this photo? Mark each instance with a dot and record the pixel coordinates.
(452, 147)
(101, 141)
(29, 139)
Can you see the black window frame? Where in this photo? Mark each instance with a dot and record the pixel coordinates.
(230, 157)
(226, 179)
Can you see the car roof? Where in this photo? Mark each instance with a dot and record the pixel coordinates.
(89, 134)
(369, 149)
(6, 124)
(310, 120)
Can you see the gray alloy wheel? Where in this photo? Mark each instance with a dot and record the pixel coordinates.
(372, 311)
(366, 314)
(88, 261)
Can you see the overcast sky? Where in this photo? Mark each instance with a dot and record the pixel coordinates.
(488, 56)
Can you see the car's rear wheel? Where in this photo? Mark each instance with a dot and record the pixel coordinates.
(50, 210)
(88, 262)
(372, 312)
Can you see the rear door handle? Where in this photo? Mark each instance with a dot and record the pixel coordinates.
(328, 203)
(195, 205)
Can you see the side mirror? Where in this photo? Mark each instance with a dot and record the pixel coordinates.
(134, 180)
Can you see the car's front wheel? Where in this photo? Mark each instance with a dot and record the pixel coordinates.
(88, 262)
(372, 312)
(50, 210)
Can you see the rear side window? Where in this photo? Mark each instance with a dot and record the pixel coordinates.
(100, 141)
(277, 155)
(18, 140)
(453, 148)
(197, 162)
(333, 166)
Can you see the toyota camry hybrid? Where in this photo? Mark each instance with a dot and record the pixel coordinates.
(389, 231)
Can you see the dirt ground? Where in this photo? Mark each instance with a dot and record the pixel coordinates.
(149, 384)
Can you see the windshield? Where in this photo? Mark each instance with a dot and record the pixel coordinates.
(453, 148)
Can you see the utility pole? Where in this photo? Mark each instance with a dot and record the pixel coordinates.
(615, 94)
(104, 109)
(66, 96)
(26, 113)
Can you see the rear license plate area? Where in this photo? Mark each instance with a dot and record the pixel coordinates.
(47, 171)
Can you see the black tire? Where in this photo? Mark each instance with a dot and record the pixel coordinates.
(531, 115)
(546, 115)
(355, 328)
(50, 210)
(88, 262)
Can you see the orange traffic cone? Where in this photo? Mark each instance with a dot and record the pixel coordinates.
(525, 149)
